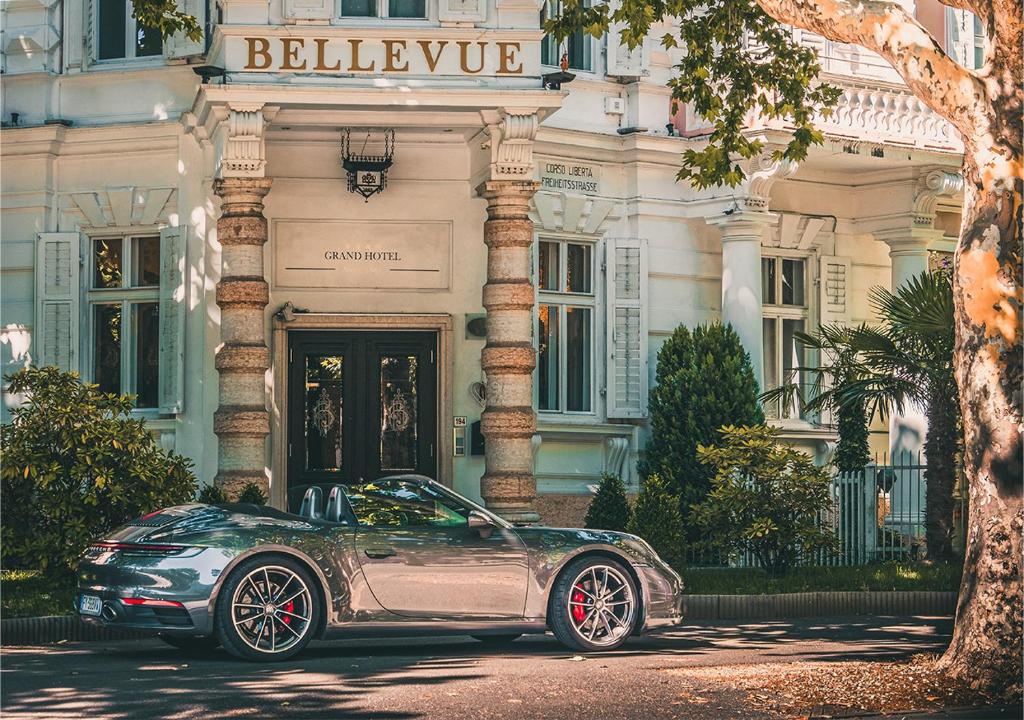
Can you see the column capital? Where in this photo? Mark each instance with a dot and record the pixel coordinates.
(511, 132)
(909, 241)
(743, 224)
(243, 147)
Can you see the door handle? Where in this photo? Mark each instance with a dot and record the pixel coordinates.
(379, 552)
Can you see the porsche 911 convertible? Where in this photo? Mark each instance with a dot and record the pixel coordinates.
(401, 555)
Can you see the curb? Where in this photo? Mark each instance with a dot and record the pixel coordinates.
(57, 628)
(817, 604)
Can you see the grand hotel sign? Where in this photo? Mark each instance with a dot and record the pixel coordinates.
(377, 52)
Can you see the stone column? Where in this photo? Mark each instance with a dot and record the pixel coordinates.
(508, 358)
(242, 422)
(741, 280)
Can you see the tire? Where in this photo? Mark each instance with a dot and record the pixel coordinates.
(259, 624)
(497, 639)
(594, 605)
(191, 642)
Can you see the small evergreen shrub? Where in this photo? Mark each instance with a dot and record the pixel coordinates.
(609, 510)
(76, 465)
(766, 499)
(252, 493)
(211, 495)
(657, 519)
(704, 381)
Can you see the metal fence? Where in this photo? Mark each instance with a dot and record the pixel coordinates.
(877, 514)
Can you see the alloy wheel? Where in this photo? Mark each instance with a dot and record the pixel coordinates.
(271, 609)
(601, 605)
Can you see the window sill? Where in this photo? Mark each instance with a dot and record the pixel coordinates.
(568, 428)
(152, 63)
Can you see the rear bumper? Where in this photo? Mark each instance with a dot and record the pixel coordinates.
(185, 582)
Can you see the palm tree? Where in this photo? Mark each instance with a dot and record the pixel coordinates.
(907, 359)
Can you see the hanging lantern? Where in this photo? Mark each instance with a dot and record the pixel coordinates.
(367, 174)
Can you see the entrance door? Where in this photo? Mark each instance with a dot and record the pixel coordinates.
(360, 405)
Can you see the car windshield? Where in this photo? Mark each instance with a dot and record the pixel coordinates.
(397, 502)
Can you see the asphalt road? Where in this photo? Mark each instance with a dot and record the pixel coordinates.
(439, 678)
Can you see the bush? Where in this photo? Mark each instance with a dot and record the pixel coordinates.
(76, 465)
(704, 381)
(658, 520)
(609, 510)
(212, 495)
(766, 499)
(252, 493)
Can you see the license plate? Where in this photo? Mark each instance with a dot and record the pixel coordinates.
(90, 605)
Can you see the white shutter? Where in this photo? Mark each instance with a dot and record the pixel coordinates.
(626, 269)
(172, 319)
(57, 300)
(309, 9)
(833, 307)
(178, 45)
(623, 62)
(833, 290)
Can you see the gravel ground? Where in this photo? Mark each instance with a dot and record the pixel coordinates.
(650, 677)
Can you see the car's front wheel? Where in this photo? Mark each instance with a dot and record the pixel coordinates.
(594, 605)
(268, 609)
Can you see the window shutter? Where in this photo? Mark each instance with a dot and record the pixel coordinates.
(833, 297)
(833, 306)
(626, 269)
(178, 45)
(623, 62)
(172, 319)
(57, 300)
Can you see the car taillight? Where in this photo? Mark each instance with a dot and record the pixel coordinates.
(148, 602)
(142, 548)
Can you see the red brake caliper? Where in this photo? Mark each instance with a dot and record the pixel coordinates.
(290, 607)
(578, 611)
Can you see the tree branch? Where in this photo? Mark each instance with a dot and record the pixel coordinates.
(887, 28)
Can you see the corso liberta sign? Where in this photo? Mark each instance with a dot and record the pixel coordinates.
(398, 52)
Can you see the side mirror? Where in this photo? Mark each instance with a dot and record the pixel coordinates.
(480, 522)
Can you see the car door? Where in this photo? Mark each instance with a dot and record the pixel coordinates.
(420, 558)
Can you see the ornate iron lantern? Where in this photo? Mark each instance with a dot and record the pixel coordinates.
(367, 174)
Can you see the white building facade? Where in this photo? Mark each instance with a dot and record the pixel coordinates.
(198, 245)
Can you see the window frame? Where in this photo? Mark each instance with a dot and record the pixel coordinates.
(130, 29)
(594, 50)
(126, 296)
(563, 300)
(382, 15)
(779, 312)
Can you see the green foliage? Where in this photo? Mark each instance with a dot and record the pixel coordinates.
(657, 519)
(704, 381)
(766, 498)
(212, 495)
(164, 15)
(252, 493)
(76, 464)
(609, 510)
(736, 60)
(30, 593)
(907, 359)
(884, 577)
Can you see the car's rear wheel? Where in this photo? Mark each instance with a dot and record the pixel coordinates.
(268, 609)
(594, 605)
(190, 642)
(497, 639)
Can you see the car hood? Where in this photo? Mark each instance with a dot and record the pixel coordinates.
(565, 539)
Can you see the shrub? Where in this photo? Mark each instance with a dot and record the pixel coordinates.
(765, 499)
(252, 493)
(211, 495)
(658, 520)
(76, 465)
(704, 381)
(609, 510)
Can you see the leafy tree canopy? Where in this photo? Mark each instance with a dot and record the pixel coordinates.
(164, 15)
(737, 60)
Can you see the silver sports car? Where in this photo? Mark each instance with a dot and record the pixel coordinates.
(400, 555)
